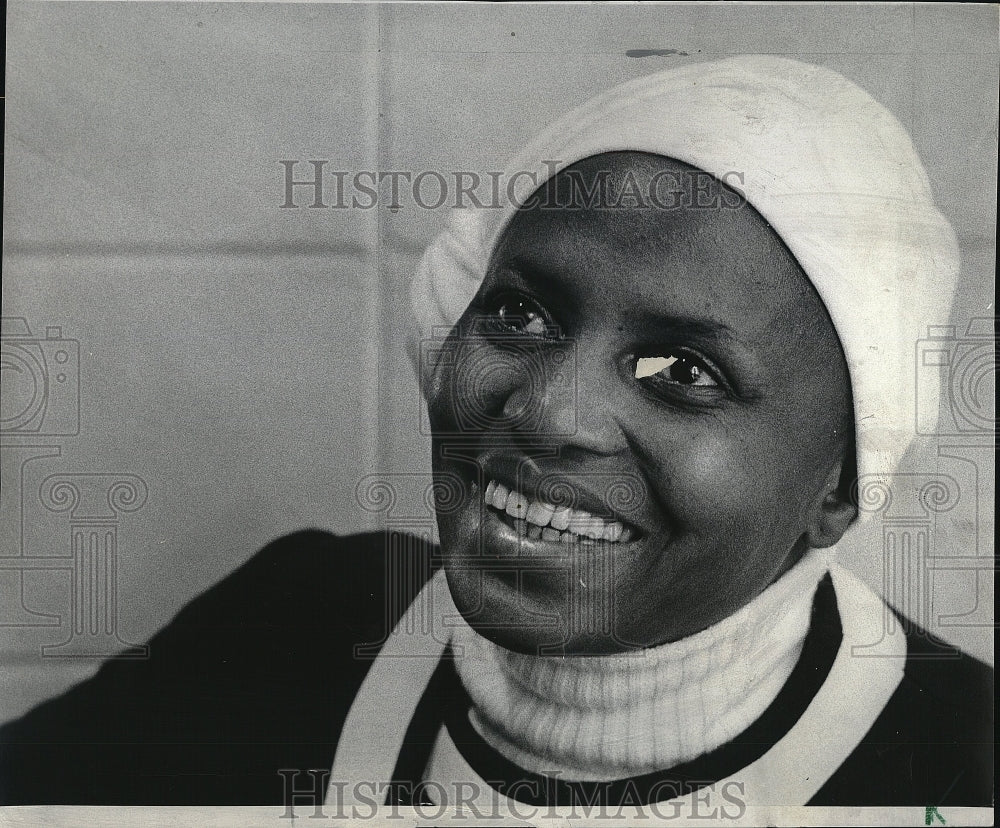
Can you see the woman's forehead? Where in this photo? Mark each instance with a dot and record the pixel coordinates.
(610, 226)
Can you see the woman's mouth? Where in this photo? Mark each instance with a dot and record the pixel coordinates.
(539, 520)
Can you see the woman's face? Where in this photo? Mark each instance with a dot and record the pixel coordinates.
(643, 411)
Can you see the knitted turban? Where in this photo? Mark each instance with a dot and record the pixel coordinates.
(832, 171)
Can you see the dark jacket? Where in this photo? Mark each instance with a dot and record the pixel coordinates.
(256, 676)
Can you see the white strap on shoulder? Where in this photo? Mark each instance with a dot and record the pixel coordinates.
(866, 672)
(376, 724)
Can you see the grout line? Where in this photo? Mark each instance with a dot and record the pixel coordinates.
(234, 249)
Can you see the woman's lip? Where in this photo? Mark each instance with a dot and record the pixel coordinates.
(585, 503)
(501, 538)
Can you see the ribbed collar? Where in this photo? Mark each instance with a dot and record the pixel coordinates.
(610, 717)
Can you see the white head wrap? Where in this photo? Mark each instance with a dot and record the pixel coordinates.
(832, 171)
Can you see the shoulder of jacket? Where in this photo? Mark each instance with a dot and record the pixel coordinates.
(311, 578)
(945, 675)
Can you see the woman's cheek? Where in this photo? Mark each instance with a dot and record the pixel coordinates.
(709, 476)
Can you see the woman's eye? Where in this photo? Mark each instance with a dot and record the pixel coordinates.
(522, 315)
(677, 368)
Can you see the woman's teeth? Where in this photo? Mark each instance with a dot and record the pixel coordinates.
(539, 520)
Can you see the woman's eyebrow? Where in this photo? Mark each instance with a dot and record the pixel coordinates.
(689, 326)
(532, 272)
(668, 326)
(672, 326)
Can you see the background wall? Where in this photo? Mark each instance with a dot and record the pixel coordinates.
(240, 365)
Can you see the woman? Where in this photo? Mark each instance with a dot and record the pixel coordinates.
(671, 357)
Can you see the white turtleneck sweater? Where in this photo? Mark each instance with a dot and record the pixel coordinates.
(601, 718)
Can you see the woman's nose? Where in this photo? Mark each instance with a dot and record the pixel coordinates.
(552, 395)
(542, 399)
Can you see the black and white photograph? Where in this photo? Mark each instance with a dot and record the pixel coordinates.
(510, 414)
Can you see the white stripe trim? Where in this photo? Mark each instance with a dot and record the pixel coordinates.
(373, 731)
(843, 711)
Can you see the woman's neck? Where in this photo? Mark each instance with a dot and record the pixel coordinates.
(611, 717)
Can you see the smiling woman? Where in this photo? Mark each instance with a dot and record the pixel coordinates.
(734, 449)
(738, 360)
(651, 417)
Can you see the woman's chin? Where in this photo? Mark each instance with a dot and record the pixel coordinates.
(535, 612)
(536, 595)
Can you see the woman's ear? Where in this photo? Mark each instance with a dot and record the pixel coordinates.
(833, 512)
